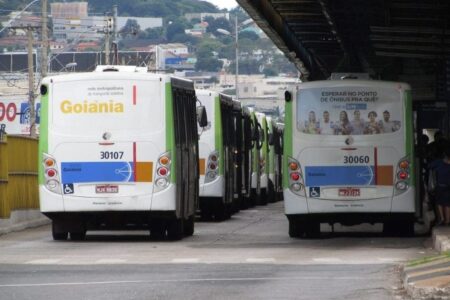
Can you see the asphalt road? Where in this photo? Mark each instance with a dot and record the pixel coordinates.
(248, 257)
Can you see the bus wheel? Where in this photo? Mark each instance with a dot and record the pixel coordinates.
(175, 229)
(189, 225)
(57, 234)
(271, 196)
(78, 235)
(296, 228)
(262, 199)
(157, 230)
(312, 230)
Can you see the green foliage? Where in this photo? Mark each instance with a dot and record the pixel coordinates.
(270, 71)
(214, 24)
(250, 35)
(174, 29)
(208, 64)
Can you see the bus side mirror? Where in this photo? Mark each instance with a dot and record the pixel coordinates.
(287, 96)
(202, 118)
(270, 139)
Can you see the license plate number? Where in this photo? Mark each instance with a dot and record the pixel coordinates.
(349, 192)
(106, 189)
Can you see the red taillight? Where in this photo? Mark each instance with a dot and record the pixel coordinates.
(51, 172)
(212, 166)
(403, 175)
(295, 176)
(163, 171)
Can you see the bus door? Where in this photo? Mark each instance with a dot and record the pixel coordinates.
(186, 153)
(226, 110)
(247, 146)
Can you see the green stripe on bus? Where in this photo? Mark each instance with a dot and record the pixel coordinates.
(43, 134)
(287, 141)
(255, 150)
(170, 134)
(271, 151)
(409, 134)
(218, 133)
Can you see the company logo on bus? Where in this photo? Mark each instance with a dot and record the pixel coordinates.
(349, 192)
(91, 107)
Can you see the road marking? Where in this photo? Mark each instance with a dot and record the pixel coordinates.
(48, 261)
(110, 261)
(260, 260)
(320, 278)
(328, 260)
(390, 259)
(185, 260)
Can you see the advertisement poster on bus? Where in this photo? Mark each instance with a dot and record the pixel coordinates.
(15, 116)
(347, 110)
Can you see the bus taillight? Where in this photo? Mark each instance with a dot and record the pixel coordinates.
(296, 183)
(163, 172)
(403, 175)
(212, 169)
(52, 182)
(404, 164)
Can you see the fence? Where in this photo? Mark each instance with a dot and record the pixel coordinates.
(18, 174)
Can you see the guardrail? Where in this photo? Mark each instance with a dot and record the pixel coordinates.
(18, 174)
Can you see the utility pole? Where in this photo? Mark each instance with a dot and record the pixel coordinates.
(108, 26)
(44, 58)
(114, 34)
(236, 36)
(31, 83)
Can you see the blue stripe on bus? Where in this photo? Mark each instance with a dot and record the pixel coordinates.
(83, 172)
(339, 175)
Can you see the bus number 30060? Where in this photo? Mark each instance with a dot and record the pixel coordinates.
(361, 159)
(111, 154)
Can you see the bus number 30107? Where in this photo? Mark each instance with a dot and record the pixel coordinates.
(361, 159)
(111, 154)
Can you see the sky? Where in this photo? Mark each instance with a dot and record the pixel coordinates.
(224, 3)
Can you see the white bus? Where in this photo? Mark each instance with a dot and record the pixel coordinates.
(217, 145)
(119, 148)
(348, 156)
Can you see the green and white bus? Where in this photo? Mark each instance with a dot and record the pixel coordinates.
(118, 148)
(348, 156)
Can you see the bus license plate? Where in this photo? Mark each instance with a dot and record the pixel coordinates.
(106, 189)
(349, 192)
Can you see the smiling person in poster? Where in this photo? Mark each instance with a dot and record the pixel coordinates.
(326, 125)
(358, 124)
(312, 125)
(373, 126)
(343, 127)
(386, 125)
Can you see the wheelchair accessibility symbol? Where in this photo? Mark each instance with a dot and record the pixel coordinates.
(68, 188)
(314, 192)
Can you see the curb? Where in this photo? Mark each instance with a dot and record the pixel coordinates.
(431, 280)
(22, 219)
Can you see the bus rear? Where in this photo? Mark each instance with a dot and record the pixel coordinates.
(349, 156)
(103, 149)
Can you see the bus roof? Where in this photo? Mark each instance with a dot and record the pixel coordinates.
(353, 82)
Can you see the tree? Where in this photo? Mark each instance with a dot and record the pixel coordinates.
(208, 64)
(269, 72)
(247, 34)
(174, 29)
(214, 24)
(131, 28)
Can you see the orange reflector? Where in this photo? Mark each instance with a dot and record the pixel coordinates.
(404, 164)
(49, 162)
(164, 160)
(293, 166)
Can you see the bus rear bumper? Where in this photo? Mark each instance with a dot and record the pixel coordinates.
(348, 219)
(214, 188)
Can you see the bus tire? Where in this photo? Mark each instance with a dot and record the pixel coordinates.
(296, 229)
(263, 197)
(175, 229)
(189, 226)
(312, 230)
(271, 196)
(157, 229)
(77, 235)
(57, 233)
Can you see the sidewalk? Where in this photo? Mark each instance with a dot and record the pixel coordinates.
(22, 219)
(430, 278)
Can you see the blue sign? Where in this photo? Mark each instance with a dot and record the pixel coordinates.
(83, 172)
(340, 175)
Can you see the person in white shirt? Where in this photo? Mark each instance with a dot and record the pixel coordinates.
(358, 124)
(326, 126)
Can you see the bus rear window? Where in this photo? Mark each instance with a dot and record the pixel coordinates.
(91, 106)
(350, 110)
